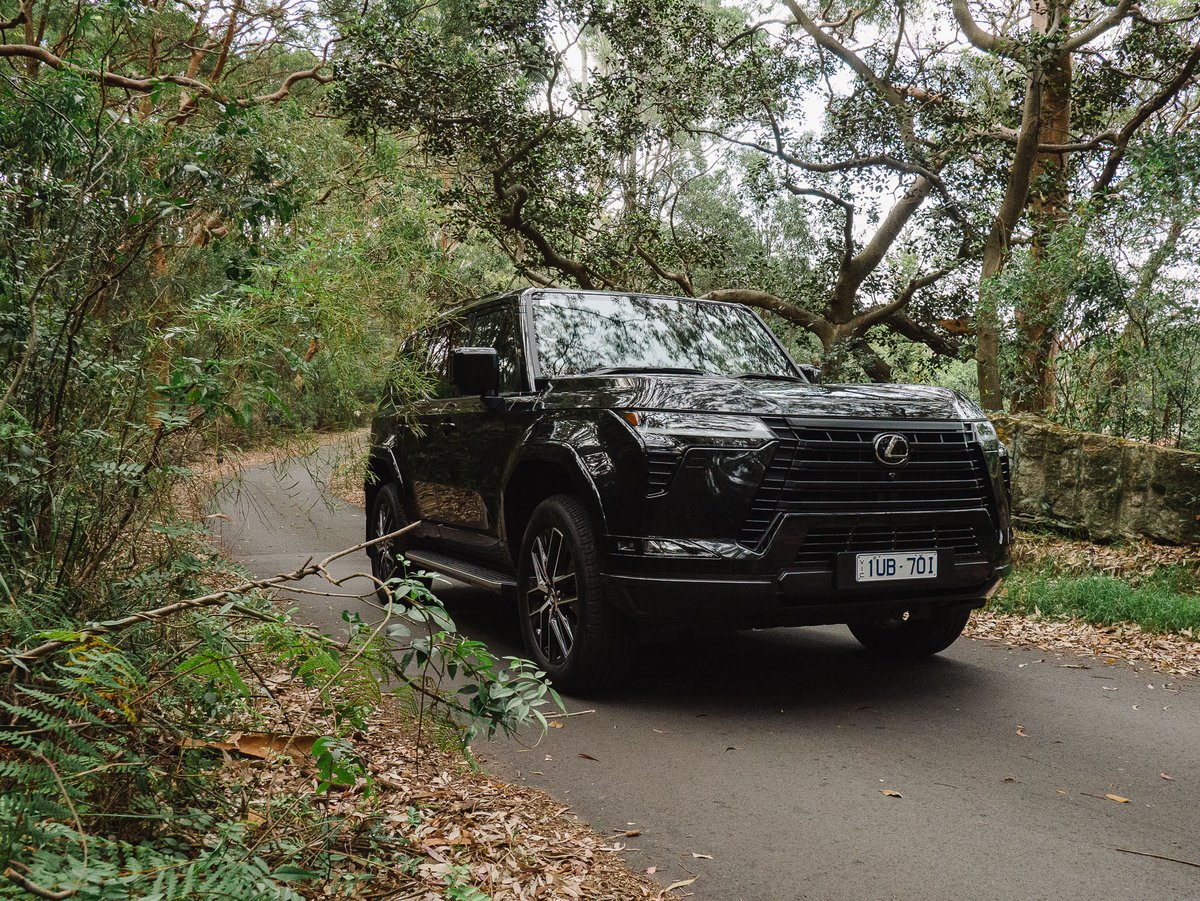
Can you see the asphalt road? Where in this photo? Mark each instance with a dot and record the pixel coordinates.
(768, 752)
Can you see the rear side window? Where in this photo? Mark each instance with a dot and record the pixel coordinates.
(497, 327)
(430, 350)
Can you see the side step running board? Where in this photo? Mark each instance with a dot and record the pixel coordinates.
(471, 573)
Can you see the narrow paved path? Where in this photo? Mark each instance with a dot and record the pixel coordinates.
(768, 752)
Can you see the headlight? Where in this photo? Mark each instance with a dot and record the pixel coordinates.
(985, 433)
(698, 429)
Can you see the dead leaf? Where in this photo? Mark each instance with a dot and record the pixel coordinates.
(891, 793)
(554, 724)
(1021, 731)
(1166, 776)
(260, 745)
(681, 883)
(702, 856)
(650, 871)
(1117, 798)
(632, 833)
(589, 757)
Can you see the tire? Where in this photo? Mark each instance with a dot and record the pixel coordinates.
(913, 637)
(387, 559)
(569, 628)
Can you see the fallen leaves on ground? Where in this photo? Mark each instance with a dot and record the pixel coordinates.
(891, 793)
(1128, 559)
(262, 745)
(447, 820)
(1174, 655)
(1117, 798)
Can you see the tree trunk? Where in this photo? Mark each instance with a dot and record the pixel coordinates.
(1038, 314)
(995, 248)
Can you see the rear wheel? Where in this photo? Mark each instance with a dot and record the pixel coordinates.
(387, 558)
(569, 629)
(904, 636)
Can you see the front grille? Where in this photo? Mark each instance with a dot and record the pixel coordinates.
(822, 545)
(818, 469)
(660, 466)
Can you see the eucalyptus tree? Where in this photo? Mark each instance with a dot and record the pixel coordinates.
(576, 132)
(918, 144)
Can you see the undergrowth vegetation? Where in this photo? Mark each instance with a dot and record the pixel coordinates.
(1102, 600)
(175, 280)
(1158, 595)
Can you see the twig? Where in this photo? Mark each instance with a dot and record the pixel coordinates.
(1158, 857)
(34, 889)
(551, 716)
(209, 600)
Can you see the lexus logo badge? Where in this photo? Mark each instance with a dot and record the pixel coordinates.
(891, 449)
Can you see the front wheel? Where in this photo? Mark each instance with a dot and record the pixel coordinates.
(569, 629)
(908, 637)
(387, 558)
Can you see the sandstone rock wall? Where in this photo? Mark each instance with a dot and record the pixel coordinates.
(1100, 486)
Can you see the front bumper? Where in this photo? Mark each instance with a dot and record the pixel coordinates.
(771, 588)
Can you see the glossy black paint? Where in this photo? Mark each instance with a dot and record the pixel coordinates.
(472, 468)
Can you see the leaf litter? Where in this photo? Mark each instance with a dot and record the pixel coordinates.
(448, 819)
(1173, 655)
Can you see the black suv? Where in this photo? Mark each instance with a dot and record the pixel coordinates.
(627, 465)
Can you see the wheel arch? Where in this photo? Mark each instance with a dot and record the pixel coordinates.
(545, 471)
(382, 468)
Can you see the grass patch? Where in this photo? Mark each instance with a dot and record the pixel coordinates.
(1165, 602)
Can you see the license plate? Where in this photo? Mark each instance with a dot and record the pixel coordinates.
(894, 567)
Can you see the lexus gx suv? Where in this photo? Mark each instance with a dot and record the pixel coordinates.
(626, 465)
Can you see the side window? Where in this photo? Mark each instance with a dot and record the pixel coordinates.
(437, 357)
(497, 327)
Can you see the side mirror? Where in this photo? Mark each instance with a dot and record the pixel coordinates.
(811, 372)
(475, 370)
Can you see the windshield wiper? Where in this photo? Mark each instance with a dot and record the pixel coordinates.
(773, 376)
(653, 370)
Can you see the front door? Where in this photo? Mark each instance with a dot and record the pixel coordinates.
(482, 434)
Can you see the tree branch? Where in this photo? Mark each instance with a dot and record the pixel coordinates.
(22, 659)
(767, 301)
(1144, 112)
(1097, 28)
(145, 85)
(682, 279)
(870, 317)
(517, 195)
(939, 344)
(980, 38)
(825, 40)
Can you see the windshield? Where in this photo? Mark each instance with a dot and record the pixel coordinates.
(580, 333)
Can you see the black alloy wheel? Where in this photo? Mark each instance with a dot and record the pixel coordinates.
(569, 629)
(553, 599)
(906, 636)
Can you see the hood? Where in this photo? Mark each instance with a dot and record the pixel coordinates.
(717, 394)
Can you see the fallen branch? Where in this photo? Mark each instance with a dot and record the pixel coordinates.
(24, 658)
(34, 889)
